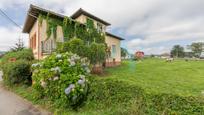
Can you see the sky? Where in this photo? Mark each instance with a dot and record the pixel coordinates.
(152, 26)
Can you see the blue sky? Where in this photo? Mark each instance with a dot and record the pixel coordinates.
(152, 26)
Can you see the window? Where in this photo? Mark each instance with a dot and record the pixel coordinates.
(113, 52)
(48, 46)
(31, 46)
(33, 42)
(99, 27)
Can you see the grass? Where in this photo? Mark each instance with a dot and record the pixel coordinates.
(151, 86)
(157, 76)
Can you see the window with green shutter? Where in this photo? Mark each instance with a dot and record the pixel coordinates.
(113, 52)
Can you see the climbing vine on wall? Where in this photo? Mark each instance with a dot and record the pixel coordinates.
(72, 29)
(93, 41)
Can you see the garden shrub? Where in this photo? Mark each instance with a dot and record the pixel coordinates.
(17, 72)
(18, 69)
(25, 54)
(63, 78)
(95, 52)
(78, 47)
(75, 45)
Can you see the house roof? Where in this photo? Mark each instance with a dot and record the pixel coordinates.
(165, 54)
(34, 11)
(33, 14)
(112, 35)
(81, 11)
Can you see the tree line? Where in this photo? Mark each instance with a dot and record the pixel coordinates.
(196, 49)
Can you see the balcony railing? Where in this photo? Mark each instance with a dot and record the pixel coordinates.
(48, 46)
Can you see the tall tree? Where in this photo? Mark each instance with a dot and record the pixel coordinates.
(18, 46)
(177, 51)
(197, 48)
(124, 52)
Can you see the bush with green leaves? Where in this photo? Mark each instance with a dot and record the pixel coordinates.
(63, 78)
(17, 72)
(95, 52)
(25, 54)
(75, 45)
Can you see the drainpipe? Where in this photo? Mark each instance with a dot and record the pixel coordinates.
(38, 41)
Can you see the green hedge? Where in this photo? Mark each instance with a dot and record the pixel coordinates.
(25, 54)
(174, 104)
(17, 72)
(118, 97)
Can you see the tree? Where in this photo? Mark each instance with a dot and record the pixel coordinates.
(124, 52)
(18, 46)
(177, 51)
(197, 48)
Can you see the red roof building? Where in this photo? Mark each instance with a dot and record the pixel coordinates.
(139, 54)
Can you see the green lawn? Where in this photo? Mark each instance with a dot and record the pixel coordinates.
(137, 88)
(157, 76)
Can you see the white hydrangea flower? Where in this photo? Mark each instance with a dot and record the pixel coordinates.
(58, 56)
(87, 70)
(72, 63)
(36, 65)
(82, 76)
(83, 65)
(43, 83)
(69, 89)
(81, 82)
(75, 57)
(56, 78)
(52, 69)
(56, 69)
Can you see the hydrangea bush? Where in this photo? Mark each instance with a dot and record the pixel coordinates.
(63, 78)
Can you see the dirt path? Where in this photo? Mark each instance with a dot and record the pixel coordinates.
(11, 104)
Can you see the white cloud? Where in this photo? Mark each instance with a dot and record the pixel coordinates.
(10, 36)
(154, 21)
(156, 50)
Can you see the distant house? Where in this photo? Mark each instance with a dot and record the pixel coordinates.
(188, 53)
(42, 47)
(139, 54)
(165, 56)
(202, 55)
